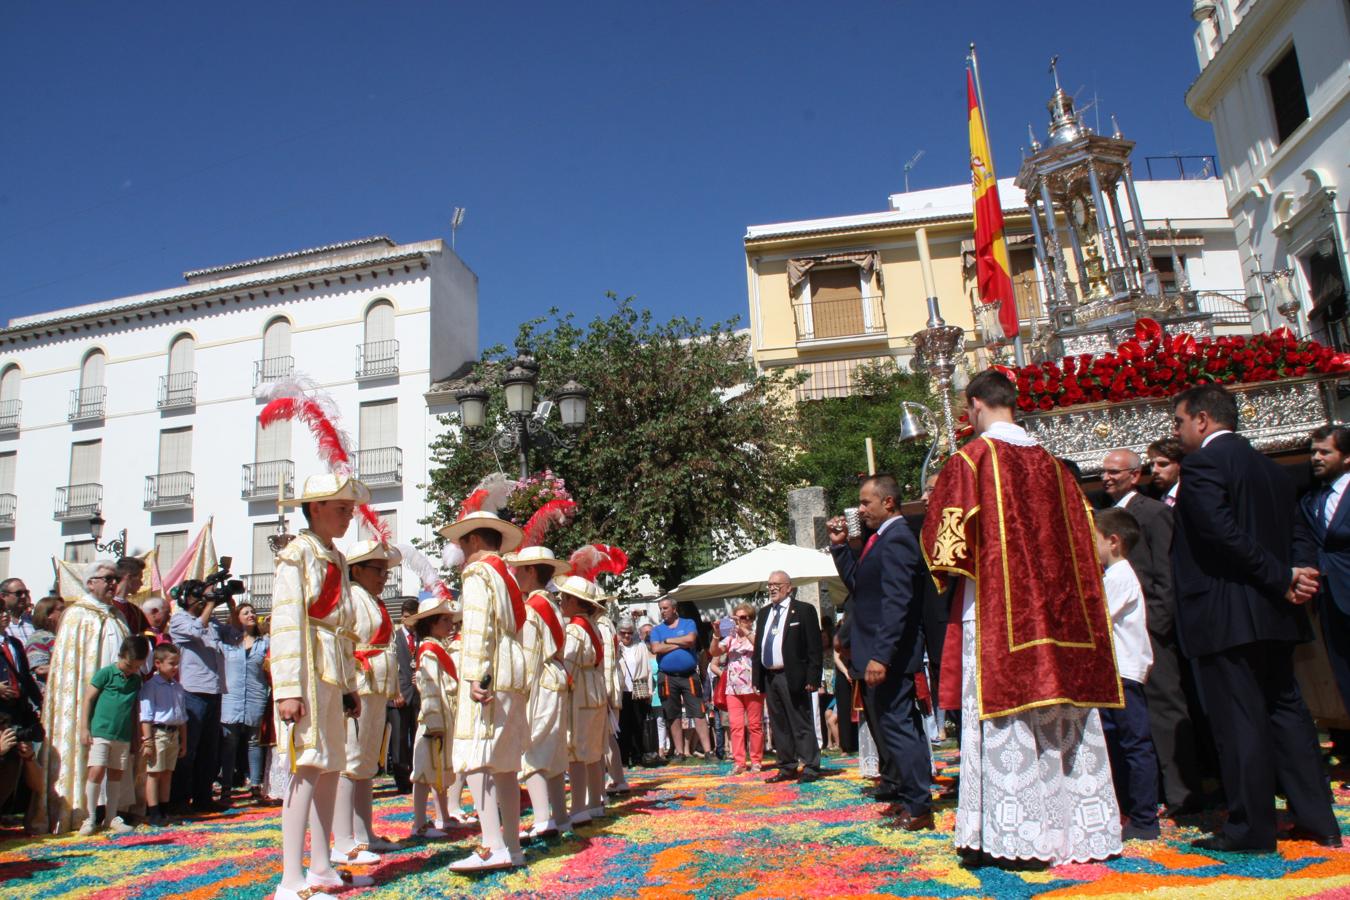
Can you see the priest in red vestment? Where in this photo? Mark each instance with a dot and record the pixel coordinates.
(1029, 655)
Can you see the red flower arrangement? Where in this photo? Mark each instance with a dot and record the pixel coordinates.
(1156, 364)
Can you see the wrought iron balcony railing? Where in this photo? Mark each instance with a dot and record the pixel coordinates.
(9, 505)
(819, 320)
(272, 368)
(78, 501)
(261, 480)
(393, 585)
(259, 587)
(177, 389)
(9, 416)
(378, 359)
(381, 467)
(168, 490)
(87, 404)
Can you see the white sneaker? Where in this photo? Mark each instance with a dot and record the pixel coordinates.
(581, 818)
(518, 858)
(428, 831)
(357, 856)
(117, 826)
(485, 860)
(88, 828)
(380, 845)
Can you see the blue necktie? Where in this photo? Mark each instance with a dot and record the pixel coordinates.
(770, 638)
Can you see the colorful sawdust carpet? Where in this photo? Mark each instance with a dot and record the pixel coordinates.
(686, 831)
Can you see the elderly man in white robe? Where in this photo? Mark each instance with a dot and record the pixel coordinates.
(91, 633)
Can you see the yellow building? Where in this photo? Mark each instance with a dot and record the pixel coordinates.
(827, 295)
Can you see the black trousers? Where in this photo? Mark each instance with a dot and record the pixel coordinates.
(1134, 764)
(632, 721)
(848, 729)
(1336, 638)
(402, 730)
(794, 731)
(197, 770)
(1170, 722)
(903, 753)
(1265, 736)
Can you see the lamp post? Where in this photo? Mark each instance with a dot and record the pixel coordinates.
(117, 547)
(528, 424)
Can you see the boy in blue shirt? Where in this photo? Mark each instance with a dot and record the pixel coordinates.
(163, 730)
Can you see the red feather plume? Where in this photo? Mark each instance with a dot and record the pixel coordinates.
(378, 527)
(551, 514)
(473, 503)
(616, 560)
(595, 559)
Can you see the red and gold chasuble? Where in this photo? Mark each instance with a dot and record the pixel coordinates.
(1013, 520)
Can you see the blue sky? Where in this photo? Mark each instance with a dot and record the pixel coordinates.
(597, 146)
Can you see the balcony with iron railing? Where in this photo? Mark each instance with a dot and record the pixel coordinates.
(839, 318)
(262, 480)
(381, 467)
(393, 584)
(9, 416)
(168, 490)
(1225, 307)
(377, 359)
(177, 390)
(87, 404)
(259, 587)
(75, 502)
(272, 368)
(9, 507)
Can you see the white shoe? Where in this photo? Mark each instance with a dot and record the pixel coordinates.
(518, 858)
(88, 828)
(380, 845)
(357, 856)
(428, 831)
(485, 860)
(288, 894)
(597, 812)
(344, 880)
(581, 818)
(547, 828)
(117, 826)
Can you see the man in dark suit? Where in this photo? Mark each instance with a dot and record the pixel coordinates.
(786, 670)
(886, 590)
(1151, 558)
(403, 709)
(1322, 541)
(1239, 616)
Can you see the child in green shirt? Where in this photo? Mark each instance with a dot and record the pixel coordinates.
(108, 727)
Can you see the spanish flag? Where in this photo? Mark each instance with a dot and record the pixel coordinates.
(991, 251)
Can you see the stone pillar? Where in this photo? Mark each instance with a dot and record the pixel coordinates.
(806, 528)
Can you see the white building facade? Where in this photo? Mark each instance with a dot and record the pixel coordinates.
(142, 409)
(1275, 84)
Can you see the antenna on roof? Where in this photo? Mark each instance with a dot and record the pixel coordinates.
(455, 221)
(909, 166)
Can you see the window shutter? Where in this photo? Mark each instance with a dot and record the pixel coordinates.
(8, 462)
(380, 323)
(175, 450)
(273, 442)
(379, 425)
(91, 372)
(84, 462)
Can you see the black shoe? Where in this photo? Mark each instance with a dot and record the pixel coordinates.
(808, 776)
(1223, 844)
(1303, 834)
(1141, 832)
(781, 775)
(1192, 807)
(885, 795)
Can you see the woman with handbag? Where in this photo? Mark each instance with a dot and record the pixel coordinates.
(635, 673)
(745, 706)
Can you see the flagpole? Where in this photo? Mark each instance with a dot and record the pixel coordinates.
(1018, 355)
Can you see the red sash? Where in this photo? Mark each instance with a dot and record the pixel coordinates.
(329, 594)
(591, 633)
(512, 589)
(538, 602)
(442, 656)
(379, 641)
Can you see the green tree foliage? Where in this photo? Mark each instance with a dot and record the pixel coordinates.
(833, 431)
(686, 453)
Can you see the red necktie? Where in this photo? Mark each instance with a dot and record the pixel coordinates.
(868, 546)
(13, 669)
(1170, 500)
(412, 646)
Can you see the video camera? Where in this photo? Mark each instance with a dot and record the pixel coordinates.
(217, 588)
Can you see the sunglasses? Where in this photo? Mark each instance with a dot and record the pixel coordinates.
(23, 593)
(111, 579)
(745, 618)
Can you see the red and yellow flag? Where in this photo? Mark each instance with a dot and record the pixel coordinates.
(991, 250)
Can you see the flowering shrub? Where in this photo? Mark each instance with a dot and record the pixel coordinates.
(531, 494)
(1156, 364)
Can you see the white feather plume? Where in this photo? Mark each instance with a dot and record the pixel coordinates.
(417, 561)
(452, 556)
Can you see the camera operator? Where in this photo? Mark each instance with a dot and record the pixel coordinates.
(199, 638)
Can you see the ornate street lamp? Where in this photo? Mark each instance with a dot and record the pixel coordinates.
(116, 547)
(528, 424)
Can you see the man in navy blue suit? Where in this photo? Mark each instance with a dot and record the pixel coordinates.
(1322, 541)
(885, 583)
(1239, 616)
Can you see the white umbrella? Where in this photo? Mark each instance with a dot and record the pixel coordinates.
(747, 574)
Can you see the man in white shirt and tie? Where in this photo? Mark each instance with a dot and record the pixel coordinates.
(786, 669)
(1322, 541)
